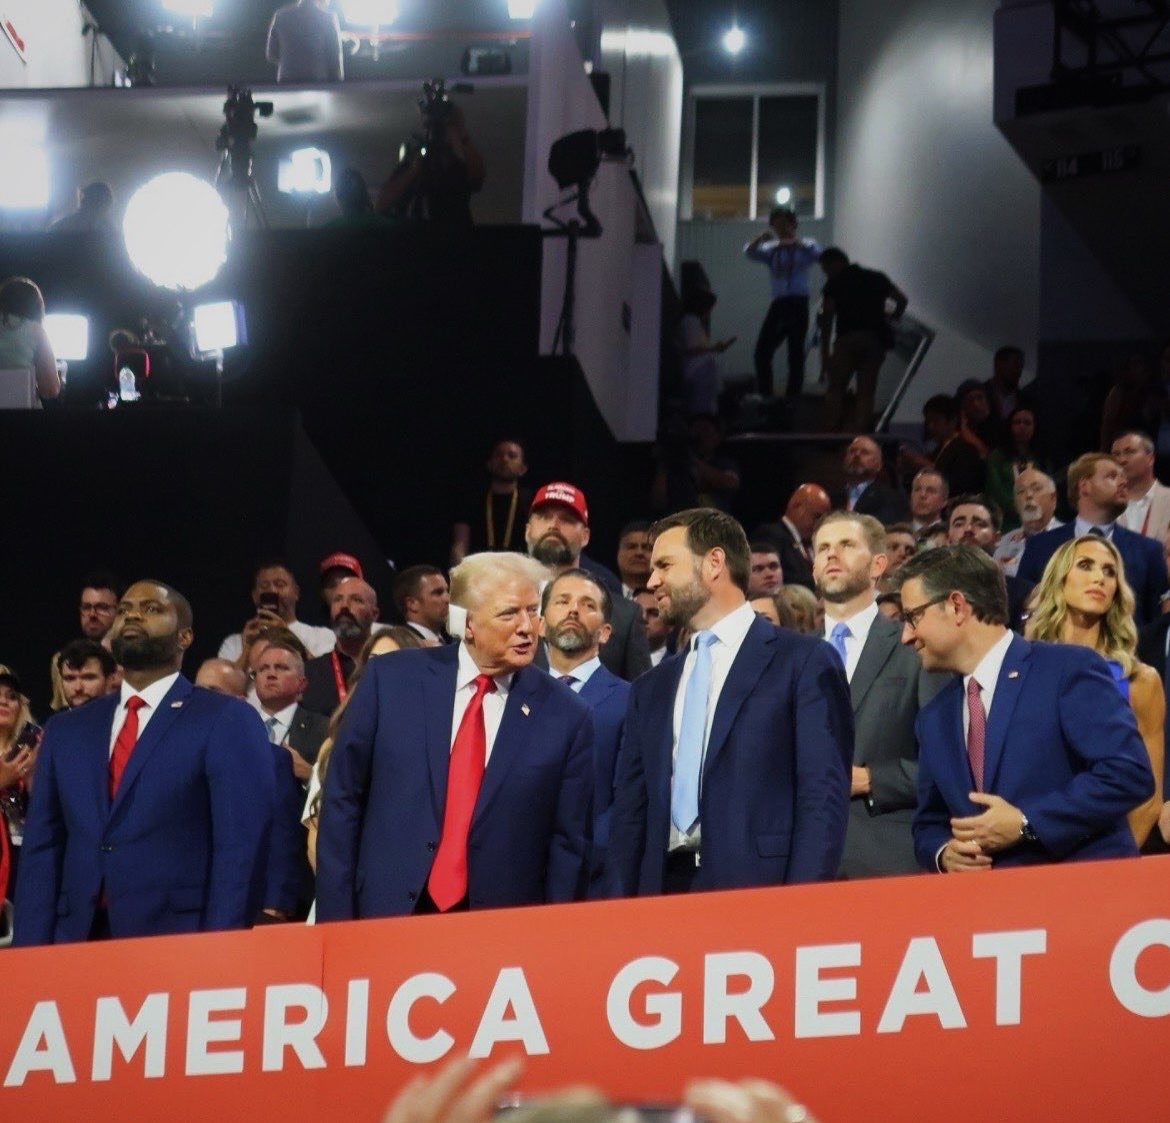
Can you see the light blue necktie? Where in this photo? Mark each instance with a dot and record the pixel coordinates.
(692, 732)
(272, 723)
(837, 638)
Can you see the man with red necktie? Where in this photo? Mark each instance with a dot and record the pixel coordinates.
(462, 776)
(152, 808)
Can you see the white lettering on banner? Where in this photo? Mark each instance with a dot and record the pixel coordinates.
(665, 1008)
(510, 993)
(812, 990)
(1008, 950)
(922, 962)
(203, 1031)
(299, 1036)
(418, 1050)
(357, 1016)
(1123, 969)
(43, 1048)
(719, 1004)
(111, 1027)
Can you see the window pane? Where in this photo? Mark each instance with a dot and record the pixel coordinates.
(723, 158)
(788, 154)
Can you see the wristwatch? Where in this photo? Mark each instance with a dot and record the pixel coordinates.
(1027, 833)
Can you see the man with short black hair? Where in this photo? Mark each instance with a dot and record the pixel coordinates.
(766, 574)
(955, 459)
(901, 544)
(1003, 387)
(87, 671)
(975, 520)
(633, 556)
(929, 492)
(657, 633)
(493, 518)
(422, 598)
(275, 594)
(100, 593)
(1002, 783)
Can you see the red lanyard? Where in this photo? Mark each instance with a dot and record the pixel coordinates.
(338, 677)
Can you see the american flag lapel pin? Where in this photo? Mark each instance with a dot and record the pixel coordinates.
(1013, 674)
(525, 710)
(176, 705)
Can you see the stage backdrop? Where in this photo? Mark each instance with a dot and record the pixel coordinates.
(1023, 995)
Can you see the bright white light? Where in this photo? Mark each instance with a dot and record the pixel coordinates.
(307, 171)
(68, 332)
(784, 196)
(24, 184)
(216, 327)
(522, 9)
(176, 231)
(192, 9)
(639, 41)
(734, 40)
(370, 13)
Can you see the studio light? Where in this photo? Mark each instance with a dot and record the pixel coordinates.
(217, 327)
(192, 9)
(783, 196)
(369, 13)
(25, 184)
(522, 9)
(307, 171)
(68, 333)
(734, 40)
(176, 231)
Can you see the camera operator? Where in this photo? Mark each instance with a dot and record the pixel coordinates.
(304, 42)
(434, 182)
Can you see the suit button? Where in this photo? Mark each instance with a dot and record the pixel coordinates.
(430, 846)
(107, 849)
(412, 896)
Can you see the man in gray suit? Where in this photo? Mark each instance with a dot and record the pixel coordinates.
(887, 686)
(304, 41)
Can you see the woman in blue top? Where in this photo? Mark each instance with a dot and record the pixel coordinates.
(1083, 598)
(23, 342)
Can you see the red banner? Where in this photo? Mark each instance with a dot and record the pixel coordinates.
(1020, 994)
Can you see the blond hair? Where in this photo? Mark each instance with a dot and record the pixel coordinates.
(477, 573)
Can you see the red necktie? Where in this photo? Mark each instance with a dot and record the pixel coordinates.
(124, 745)
(976, 731)
(447, 884)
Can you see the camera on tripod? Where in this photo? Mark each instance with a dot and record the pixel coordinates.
(436, 109)
(238, 135)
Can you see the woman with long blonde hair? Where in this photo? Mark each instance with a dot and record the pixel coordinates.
(1084, 598)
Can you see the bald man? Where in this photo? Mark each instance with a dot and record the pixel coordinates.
(222, 676)
(866, 491)
(353, 611)
(792, 535)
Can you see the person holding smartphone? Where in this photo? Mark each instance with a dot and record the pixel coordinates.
(275, 594)
(20, 737)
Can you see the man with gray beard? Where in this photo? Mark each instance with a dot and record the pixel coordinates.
(1035, 495)
(556, 533)
(576, 610)
(353, 610)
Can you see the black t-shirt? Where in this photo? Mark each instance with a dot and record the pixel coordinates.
(860, 299)
(475, 515)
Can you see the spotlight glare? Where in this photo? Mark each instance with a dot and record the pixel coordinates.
(369, 13)
(734, 40)
(783, 196)
(25, 184)
(176, 231)
(192, 9)
(521, 9)
(68, 333)
(307, 171)
(216, 327)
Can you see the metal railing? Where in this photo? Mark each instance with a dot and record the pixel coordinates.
(912, 340)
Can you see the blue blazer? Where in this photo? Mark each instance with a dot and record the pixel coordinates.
(1145, 565)
(607, 696)
(386, 790)
(774, 800)
(1070, 758)
(184, 845)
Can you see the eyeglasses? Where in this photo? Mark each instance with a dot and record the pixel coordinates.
(912, 617)
(97, 607)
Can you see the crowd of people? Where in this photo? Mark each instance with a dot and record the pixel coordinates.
(839, 694)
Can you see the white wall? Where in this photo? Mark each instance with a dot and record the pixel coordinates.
(928, 190)
(58, 54)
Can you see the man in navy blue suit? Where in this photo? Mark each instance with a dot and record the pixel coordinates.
(1002, 783)
(462, 776)
(736, 762)
(1096, 488)
(576, 614)
(152, 807)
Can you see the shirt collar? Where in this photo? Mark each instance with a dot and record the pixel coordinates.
(1083, 526)
(425, 632)
(283, 717)
(585, 671)
(468, 670)
(986, 673)
(731, 630)
(152, 694)
(859, 623)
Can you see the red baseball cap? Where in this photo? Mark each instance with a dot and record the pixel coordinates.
(566, 495)
(341, 561)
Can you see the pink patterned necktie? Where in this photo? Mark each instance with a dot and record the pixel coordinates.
(976, 731)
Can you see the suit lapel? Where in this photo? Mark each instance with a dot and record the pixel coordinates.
(94, 745)
(156, 729)
(515, 733)
(660, 766)
(1008, 688)
(754, 655)
(883, 637)
(438, 700)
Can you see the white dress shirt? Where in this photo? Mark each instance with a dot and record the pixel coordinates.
(1083, 526)
(493, 703)
(317, 641)
(425, 632)
(859, 626)
(730, 633)
(581, 674)
(283, 725)
(987, 675)
(656, 657)
(152, 695)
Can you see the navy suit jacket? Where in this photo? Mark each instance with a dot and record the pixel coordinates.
(386, 790)
(607, 696)
(774, 799)
(1145, 565)
(184, 845)
(1069, 757)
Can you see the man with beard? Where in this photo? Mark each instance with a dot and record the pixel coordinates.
(1035, 495)
(87, 671)
(576, 611)
(887, 686)
(865, 490)
(152, 807)
(353, 609)
(734, 769)
(1096, 489)
(556, 533)
(462, 776)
